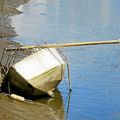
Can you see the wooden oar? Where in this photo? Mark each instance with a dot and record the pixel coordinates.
(65, 45)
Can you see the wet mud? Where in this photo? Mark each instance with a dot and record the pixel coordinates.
(15, 110)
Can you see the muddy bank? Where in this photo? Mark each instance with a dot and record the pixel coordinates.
(6, 29)
(8, 8)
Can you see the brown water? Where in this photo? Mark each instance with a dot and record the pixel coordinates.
(46, 109)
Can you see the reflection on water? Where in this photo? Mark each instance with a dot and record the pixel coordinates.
(56, 103)
(42, 109)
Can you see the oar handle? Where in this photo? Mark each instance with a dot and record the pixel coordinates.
(81, 44)
(65, 45)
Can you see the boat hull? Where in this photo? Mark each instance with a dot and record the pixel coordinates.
(35, 75)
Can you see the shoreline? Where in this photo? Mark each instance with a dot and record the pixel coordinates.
(8, 8)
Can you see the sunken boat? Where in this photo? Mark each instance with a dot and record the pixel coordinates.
(33, 72)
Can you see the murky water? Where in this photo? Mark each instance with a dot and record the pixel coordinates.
(95, 70)
(50, 109)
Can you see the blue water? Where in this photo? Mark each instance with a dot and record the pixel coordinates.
(95, 70)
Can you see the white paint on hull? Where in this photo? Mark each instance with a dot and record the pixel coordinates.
(38, 63)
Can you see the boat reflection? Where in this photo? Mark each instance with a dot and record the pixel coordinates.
(57, 104)
(67, 105)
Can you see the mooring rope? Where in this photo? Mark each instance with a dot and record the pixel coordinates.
(69, 78)
(68, 71)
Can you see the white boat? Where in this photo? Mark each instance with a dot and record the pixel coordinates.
(37, 74)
